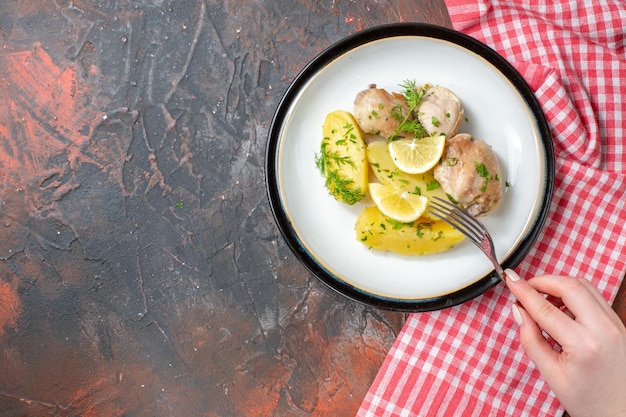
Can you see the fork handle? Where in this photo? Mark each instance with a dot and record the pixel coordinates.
(499, 271)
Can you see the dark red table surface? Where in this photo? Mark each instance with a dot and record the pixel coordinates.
(141, 271)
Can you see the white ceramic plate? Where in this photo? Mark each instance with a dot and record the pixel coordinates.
(499, 108)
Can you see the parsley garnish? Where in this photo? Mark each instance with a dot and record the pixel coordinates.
(395, 225)
(483, 172)
(439, 236)
(451, 161)
(420, 229)
(432, 185)
(482, 169)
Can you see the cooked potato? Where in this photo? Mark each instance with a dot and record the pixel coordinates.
(342, 157)
(425, 237)
(387, 173)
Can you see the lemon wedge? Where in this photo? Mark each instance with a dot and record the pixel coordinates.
(416, 156)
(399, 205)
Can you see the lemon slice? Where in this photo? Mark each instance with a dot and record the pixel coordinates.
(416, 156)
(399, 205)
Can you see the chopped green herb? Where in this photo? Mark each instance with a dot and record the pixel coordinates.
(432, 185)
(483, 172)
(451, 161)
(421, 227)
(435, 121)
(452, 199)
(439, 236)
(395, 225)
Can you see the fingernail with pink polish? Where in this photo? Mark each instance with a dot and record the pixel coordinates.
(512, 275)
(517, 314)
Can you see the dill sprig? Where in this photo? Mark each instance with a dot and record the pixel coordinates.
(413, 97)
(328, 163)
(326, 159)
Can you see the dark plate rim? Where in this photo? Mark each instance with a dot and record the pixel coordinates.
(318, 63)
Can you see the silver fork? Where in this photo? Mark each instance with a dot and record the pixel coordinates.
(467, 224)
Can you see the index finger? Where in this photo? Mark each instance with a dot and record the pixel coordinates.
(581, 298)
(548, 316)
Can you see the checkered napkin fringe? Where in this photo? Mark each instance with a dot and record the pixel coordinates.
(466, 360)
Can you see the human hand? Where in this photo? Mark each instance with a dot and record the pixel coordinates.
(588, 374)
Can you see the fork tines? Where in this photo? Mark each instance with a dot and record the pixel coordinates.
(458, 218)
(467, 224)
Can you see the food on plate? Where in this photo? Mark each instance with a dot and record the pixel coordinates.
(342, 158)
(381, 233)
(417, 155)
(469, 173)
(386, 172)
(378, 112)
(400, 205)
(440, 111)
(410, 142)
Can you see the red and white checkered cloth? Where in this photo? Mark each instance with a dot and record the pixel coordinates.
(467, 360)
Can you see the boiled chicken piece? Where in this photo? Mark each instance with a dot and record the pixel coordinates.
(440, 111)
(470, 173)
(373, 110)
